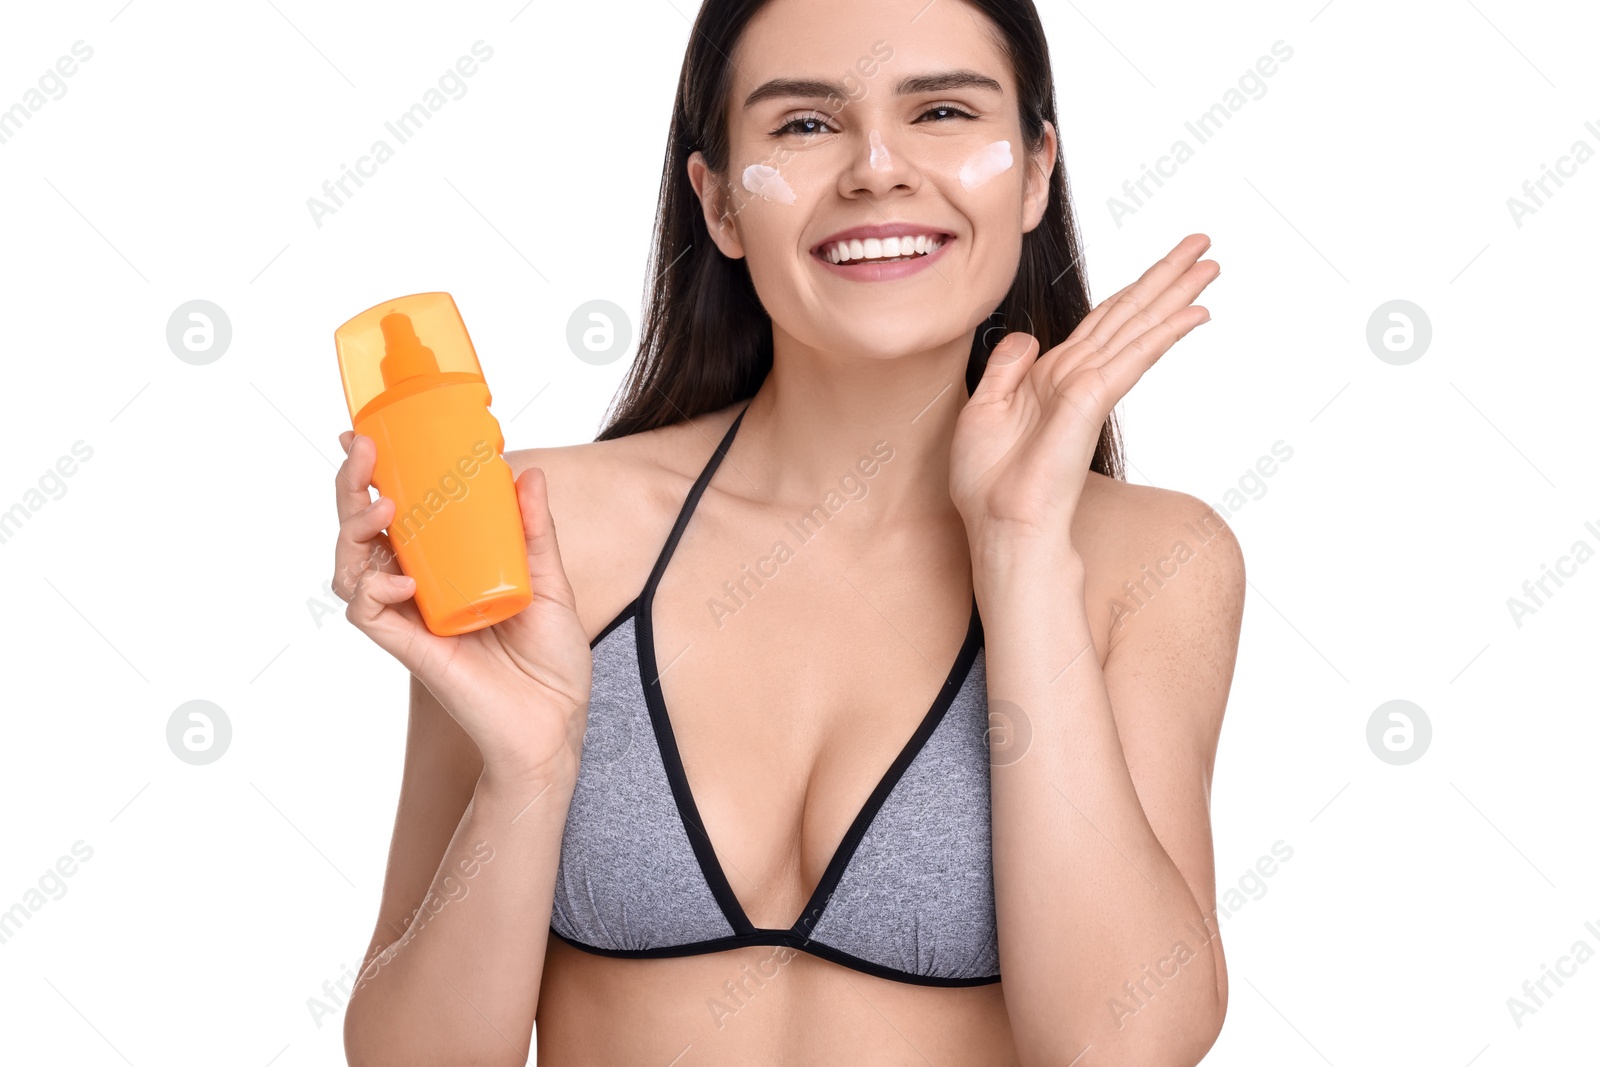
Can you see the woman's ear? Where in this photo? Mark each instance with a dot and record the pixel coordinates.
(1036, 193)
(714, 204)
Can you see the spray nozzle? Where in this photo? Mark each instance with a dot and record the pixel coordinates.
(404, 354)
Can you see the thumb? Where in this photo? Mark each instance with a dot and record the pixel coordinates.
(1007, 365)
(548, 577)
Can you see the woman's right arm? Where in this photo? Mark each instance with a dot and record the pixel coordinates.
(452, 975)
(496, 725)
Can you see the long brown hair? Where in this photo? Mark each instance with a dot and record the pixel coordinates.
(706, 342)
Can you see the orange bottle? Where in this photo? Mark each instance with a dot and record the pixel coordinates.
(413, 385)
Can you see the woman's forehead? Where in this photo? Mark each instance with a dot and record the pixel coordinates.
(842, 42)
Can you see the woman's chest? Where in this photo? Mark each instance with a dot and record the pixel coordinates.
(867, 843)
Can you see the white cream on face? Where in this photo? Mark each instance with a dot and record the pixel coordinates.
(985, 163)
(880, 154)
(767, 183)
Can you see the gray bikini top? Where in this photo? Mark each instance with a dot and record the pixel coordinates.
(908, 895)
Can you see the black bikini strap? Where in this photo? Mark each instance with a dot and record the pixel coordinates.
(690, 501)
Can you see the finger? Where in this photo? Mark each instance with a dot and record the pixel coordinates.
(548, 577)
(354, 476)
(1094, 318)
(376, 611)
(1180, 294)
(1151, 284)
(1119, 374)
(361, 528)
(1007, 366)
(376, 590)
(361, 548)
(1093, 392)
(1087, 323)
(344, 440)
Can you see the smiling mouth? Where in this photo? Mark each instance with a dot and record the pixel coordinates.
(881, 250)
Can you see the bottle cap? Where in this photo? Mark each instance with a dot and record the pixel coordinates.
(402, 346)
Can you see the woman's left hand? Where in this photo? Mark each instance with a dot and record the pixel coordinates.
(1026, 437)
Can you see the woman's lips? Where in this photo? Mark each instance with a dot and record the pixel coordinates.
(878, 270)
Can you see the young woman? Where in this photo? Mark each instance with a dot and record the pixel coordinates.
(863, 712)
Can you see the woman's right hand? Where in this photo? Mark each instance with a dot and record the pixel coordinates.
(519, 688)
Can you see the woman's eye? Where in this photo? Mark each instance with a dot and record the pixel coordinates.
(811, 125)
(948, 110)
(804, 125)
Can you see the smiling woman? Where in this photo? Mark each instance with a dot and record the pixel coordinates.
(675, 804)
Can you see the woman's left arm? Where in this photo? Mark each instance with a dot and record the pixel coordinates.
(1102, 853)
(1100, 801)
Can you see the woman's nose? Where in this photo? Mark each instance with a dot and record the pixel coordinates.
(878, 166)
(877, 154)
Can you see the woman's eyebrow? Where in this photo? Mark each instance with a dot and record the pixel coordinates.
(810, 88)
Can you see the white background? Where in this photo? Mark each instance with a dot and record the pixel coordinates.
(181, 560)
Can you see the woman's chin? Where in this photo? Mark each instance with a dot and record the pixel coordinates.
(889, 345)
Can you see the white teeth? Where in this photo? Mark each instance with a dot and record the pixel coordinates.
(882, 248)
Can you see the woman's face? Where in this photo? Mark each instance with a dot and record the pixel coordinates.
(858, 119)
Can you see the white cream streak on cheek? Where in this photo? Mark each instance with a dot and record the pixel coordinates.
(985, 164)
(767, 183)
(880, 154)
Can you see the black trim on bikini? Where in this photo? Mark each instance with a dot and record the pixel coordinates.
(705, 853)
(632, 606)
(869, 811)
(627, 609)
(778, 937)
(649, 677)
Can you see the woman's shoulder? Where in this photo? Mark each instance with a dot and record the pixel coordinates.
(650, 461)
(1119, 512)
(1135, 539)
(614, 502)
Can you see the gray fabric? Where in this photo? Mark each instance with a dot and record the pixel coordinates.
(627, 878)
(918, 895)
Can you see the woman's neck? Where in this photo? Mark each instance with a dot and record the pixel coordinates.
(819, 415)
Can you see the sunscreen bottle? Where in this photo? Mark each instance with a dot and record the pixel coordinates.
(413, 384)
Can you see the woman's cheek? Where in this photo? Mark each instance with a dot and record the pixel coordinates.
(768, 183)
(798, 180)
(986, 163)
(771, 184)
